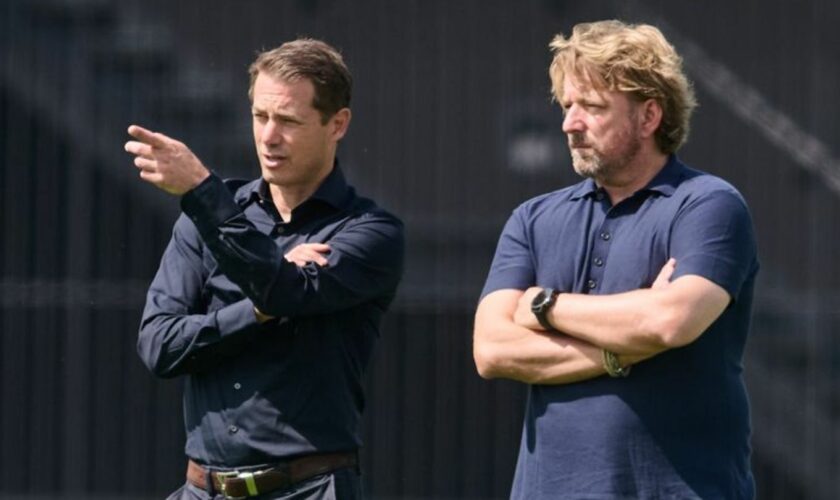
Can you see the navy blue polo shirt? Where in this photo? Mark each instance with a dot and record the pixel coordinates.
(678, 426)
(258, 393)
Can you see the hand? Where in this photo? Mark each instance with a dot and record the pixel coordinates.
(523, 315)
(663, 279)
(308, 252)
(165, 162)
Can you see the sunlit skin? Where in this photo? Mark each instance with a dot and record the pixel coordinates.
(611, 136)
(296, 150)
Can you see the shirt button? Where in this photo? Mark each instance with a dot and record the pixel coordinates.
(233, 429)
(605, 236)
(237, 386)
(279, 229)
(598, 261)
(591, 284)
(599, 195)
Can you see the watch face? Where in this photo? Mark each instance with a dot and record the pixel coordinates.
(541, 300)
(540, 305)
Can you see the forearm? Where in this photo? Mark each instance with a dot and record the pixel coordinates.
(173, 343)
(364, 260)
(641, 322)
(626, 323)
(534, 357)
(278, 287)
(246, 256)
(503, 349)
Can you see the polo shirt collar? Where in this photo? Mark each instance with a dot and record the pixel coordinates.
(664, 182)
(585, 189)
(667, 180)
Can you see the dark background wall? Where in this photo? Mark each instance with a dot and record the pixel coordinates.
(452, 128)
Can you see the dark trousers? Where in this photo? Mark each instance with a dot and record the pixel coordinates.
(342, 484)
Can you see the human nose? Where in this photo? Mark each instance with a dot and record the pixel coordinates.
(572, 120)
(270, 134)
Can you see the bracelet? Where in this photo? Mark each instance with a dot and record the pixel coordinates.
(612, 366)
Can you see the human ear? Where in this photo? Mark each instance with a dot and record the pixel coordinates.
(651, 117)
(339, 123)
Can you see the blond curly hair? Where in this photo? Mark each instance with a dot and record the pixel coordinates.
(636, 59)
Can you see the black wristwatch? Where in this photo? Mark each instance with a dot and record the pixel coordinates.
(542, 303)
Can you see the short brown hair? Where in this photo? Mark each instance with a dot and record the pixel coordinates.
(636, 59)
(312, 60)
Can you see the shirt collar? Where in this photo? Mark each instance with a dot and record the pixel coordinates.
(585, 189)
(664, 182)
(667, 180)
(334, 190)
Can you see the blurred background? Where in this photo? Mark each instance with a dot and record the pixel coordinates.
(453, 127)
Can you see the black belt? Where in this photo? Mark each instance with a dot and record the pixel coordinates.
(236, 484)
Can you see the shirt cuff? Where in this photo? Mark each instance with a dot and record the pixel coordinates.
(236, 318)
(209, 204)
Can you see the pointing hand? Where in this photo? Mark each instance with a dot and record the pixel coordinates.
(165, 162)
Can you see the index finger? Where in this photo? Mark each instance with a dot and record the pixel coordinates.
(664, 276)
(153, 139)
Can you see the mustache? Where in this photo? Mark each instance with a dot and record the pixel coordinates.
(577, 140)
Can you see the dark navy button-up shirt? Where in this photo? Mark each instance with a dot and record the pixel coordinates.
(678, 426)
(256, 393)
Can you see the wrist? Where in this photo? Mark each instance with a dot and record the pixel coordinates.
(202, 174)
(541, 307)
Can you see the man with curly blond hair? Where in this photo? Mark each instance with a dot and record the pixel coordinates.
(624, 301)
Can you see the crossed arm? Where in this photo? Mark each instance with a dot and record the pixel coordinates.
(171, 166)
(359, 263)
(510, 343)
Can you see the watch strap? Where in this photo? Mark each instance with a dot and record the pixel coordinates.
(541, 310)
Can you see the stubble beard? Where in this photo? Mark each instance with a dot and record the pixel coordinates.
(590, 164)
(600, 165)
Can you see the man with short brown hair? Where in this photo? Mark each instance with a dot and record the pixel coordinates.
(269, 296)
